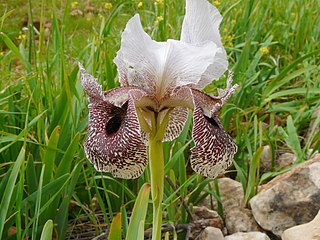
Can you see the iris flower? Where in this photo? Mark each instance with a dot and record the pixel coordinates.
(160, 82)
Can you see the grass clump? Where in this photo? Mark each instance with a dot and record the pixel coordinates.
(45, 179)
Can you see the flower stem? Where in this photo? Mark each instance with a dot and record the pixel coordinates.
(156, 163)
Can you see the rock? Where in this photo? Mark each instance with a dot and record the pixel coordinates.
(237, 217)
(211, 233)
(307, 231)
(285, 160)
(240, 220)
(248, 236)
(206, 217)
(231, 194)
(265, 159)
(289, 199)
(203, 218)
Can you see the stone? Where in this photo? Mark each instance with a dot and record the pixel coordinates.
(211, 233)
(203, 218)
(265, 159)
(237, 217)
(289, 199)
(285, 160)
(231, 194)
(206, 217)
(307, 231)
(248, 236)
(240, 220)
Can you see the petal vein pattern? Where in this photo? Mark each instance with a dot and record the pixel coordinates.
(114, 143)
(160, 82)
(159, 67)
(214, 148)
(201, 24)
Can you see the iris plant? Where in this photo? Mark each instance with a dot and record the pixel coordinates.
(160, 82)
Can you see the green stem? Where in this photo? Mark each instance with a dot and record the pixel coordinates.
(156, 163)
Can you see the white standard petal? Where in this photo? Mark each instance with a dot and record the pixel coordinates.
(137, 59)
(157, 67)
(200, 25)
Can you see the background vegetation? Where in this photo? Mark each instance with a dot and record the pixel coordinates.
(45, 179)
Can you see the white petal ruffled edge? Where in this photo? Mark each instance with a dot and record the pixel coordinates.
(157, 67)
(200, 25)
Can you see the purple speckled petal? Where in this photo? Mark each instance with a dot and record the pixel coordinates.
(114, 143)
(177, 120)
(90, 84)
(214, 148)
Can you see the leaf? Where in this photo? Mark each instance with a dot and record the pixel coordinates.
(294, 91)
(139, 213)
(115, 229)
(47, 231)
(50, 155)
(38, 204)
(62, 215)
(252, 184)
(6, 198)
(293, 139)
(66, 161)
(175, 158)
(15, 50)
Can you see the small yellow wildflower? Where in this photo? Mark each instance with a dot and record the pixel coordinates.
(159, 2)
(230, 37)
(74, 5)
(1, 54)
(233, 22)
(140, 4)
(21, 36)
(217, 3)
(160, 18)
(108, 6)
(225, 30)
(264, 51)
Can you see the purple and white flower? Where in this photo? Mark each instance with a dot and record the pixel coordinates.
(162, 80)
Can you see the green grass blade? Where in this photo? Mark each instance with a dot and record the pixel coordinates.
(253, 177)
(139, 212)
(115, 229)
(50, 155)
(175, 158)
(47, 231)
(293, 139)
(38, 204)
(6, 198)
(66, 161)
(15, 50)
(62, 215)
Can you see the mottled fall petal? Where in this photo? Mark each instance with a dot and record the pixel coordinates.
(114, 143)
(210, 104)
(214, 148)
(200, 25)
(177, 120)
(90, 84)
